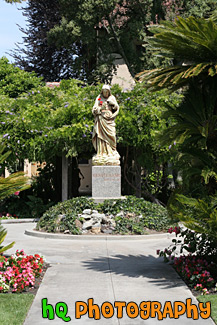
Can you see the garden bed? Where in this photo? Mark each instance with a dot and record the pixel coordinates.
(130, 216)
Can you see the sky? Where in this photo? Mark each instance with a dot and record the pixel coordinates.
(9, 31)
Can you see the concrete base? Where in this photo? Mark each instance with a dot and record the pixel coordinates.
(106, 182)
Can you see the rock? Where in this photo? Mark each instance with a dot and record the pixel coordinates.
(78, 224)
(97, 224)
(112, 223)
(95, 211)
(107, 231)
(97, 217)
(60, 218)
(96, 229)
(120, 214)
(87, 225)
(130, 215)
(86, 216)
(87, 211)
(67, 232)
(105, 219)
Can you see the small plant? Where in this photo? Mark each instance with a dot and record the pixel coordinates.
(3, 234)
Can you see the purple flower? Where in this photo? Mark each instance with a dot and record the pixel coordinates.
(174, 143)
(86, 125)
(7, 112)
(5, 135)
(38, 92)
(84, 135)
(45, 135)
(9, 137)
(128, 98)
(23, 118)
(85, 98)
(18, 141)
(170, 146)
(91, 132)
(2, 122)
(76, 95)
(33, 92)
(84, 118)
(66, 105)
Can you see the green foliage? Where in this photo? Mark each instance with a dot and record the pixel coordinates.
(45, 123)
(13, 183)
(191, 42)
(199, 215)
(70, 209)
(139, 214)
(26, 206)
(3, 233)
(192, 125)
(152, 216)
(14, 81)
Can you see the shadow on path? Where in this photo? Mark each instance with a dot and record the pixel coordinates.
(154, 269)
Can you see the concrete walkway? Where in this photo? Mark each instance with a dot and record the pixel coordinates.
(105, 270)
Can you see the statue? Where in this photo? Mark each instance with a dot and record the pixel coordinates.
(105, 111)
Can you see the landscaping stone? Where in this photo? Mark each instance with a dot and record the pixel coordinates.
(86, 216)
(96, 229)
(107, 231)
(87, 211)
(87, 225)
(78, 224)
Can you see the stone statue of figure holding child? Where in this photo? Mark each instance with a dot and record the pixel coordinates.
(105, 111)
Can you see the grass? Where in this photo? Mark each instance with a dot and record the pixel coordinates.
(14, 308)
(213, 300)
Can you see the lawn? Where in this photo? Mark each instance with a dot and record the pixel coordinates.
(213, 300)
(14, 308)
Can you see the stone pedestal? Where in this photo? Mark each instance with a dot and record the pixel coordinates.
(106, 182)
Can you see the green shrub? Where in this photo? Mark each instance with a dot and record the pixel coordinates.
(138, 214)
(70, 209)
(152, 216)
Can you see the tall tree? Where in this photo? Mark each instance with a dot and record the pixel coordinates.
(75, 38)
(38, 55)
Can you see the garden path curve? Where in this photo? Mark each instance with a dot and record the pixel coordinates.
(105, 271)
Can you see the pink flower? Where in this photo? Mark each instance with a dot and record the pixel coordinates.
(17, 193)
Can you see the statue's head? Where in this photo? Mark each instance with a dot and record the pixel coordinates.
(106, 91)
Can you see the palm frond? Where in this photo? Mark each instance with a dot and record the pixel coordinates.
(192, 42)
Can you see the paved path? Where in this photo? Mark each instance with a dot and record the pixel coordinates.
(104, 270)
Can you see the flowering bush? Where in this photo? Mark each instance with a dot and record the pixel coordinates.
(7, 216)
(198, 268)
(19, 271)
(195, 271)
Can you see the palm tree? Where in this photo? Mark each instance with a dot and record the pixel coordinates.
(191, 44)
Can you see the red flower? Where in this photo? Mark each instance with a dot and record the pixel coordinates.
(99, 98)
(101, 102)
